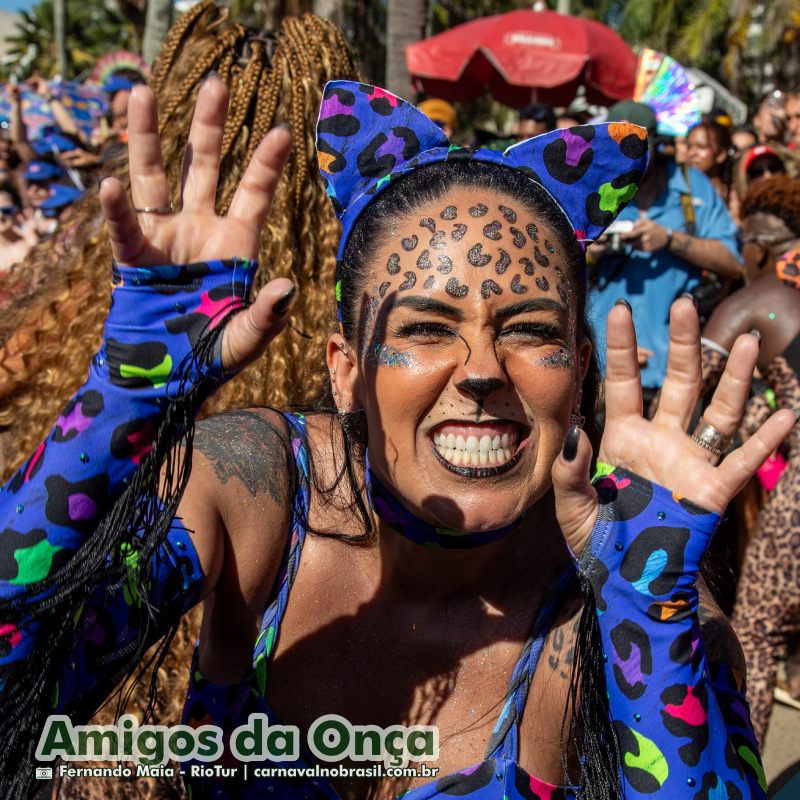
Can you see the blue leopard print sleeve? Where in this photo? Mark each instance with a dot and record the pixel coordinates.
(52, 505)
(683, 724)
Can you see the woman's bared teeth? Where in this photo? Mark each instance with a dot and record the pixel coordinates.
(471, 451)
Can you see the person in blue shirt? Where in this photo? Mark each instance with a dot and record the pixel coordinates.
(660, 257)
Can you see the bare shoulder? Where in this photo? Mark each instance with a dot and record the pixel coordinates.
(721, 643)
(248, 451)
(733, 316)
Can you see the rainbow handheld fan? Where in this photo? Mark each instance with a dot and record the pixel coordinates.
(663, 84)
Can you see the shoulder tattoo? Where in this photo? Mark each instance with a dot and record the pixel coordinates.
(246, 446)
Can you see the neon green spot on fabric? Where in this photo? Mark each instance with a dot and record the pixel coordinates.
(602, 470)
(270, 643)
(769, 393)
(338, 291)
(611, 199)
(157, 375)
(449, 532)
(751, 759)
(129, 589)
(650, 758)
(261, 675)
(34, 562)
(454, 147)
(383, 180)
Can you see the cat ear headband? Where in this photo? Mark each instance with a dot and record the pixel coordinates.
(367, 138)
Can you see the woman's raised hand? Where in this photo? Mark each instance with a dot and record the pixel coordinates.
(661, 450)
(195, 232)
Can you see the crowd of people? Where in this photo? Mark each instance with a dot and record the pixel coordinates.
(714, 217)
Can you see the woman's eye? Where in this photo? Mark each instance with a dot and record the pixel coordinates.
(423, 329)
(531, 331)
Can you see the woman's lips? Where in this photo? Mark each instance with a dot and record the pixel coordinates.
(471, 445)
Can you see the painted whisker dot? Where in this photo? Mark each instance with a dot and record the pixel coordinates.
(492, 230)
(541, 259)
(445, 264)
(383, 288)
(449, 213)
(438, 240)
(409, 282)
(424, 260)
(549, 247)
(528, 264)
(456, 289)
(479, 210)
(502, 263)
(543, 283)
(509, 215)
(410, 242)
(430, 282)
(490, 287)
(477, 257)
(459, 229)
(517, 287)
(429, 223)
(533, 231)
(393, 264)
(518, 238)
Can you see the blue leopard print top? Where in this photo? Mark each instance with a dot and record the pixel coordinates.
(683, 724)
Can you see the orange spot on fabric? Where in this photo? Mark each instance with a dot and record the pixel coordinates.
(619, 130)
(677, 497)
(671, 607)
(325, 160)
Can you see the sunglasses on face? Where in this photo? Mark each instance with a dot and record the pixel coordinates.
(8, 211)
(765, 238)
(773, 167)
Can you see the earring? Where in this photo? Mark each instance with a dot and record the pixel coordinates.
(576, 419)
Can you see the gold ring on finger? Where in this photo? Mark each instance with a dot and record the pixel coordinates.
(167, 209)
(709, 438)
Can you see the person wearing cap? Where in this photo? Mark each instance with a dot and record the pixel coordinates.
(38, 177)
(442, 113)
(675, 227)
(762, 161)
(533, 120)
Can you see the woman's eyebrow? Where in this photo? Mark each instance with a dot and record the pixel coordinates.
(421, 303)
(526, 306)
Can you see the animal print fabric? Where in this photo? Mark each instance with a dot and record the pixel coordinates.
(684, 729)
(766, 615)
(50, 507)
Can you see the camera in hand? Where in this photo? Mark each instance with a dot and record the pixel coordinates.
(614, 233)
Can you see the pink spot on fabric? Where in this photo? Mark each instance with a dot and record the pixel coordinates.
(690, 710)
(10, 633)
(378, 93)
(215, 309)
(619, 481)
(142, 442)
(34, 461)
(81, 506)
(576, 147)
(542, 790)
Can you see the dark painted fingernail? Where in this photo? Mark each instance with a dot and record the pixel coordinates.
(570, 448)
(283, 304)
(623, 302)
(757, 333)
(212, 74)
(692, 298)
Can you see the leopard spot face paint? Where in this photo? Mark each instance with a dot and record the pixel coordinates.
(429, 223)
(393, 264)
(502, 263)
(509, 215)
(410, 281)
(449, 213)
(438, 240)
(424, 260)
(543, 283)
(430, 282)
(456, 289)
(518, 238)
(517, 287)
(383, 288)
(549, 247)
(410, 242)
(492, 231)
(528, 265)
(479, 210)
(459, 229)
(533, 231)
(445, 264)
(562, 295)
(541, 259)
(490, 287)
(477, 257)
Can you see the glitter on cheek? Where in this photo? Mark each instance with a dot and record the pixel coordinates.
(384, 355)
(559, 359)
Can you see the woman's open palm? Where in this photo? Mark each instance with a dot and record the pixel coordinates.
(660, 449)
(195, 232)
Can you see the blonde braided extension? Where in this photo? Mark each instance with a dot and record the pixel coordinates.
(54, 333)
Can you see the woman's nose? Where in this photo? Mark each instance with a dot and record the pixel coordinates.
(479, 388)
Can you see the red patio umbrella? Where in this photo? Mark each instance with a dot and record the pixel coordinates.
(523, 56)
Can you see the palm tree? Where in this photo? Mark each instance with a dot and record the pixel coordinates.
(406, 21)
(157, 23)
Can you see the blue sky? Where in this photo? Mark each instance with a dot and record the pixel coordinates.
(15, 5)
